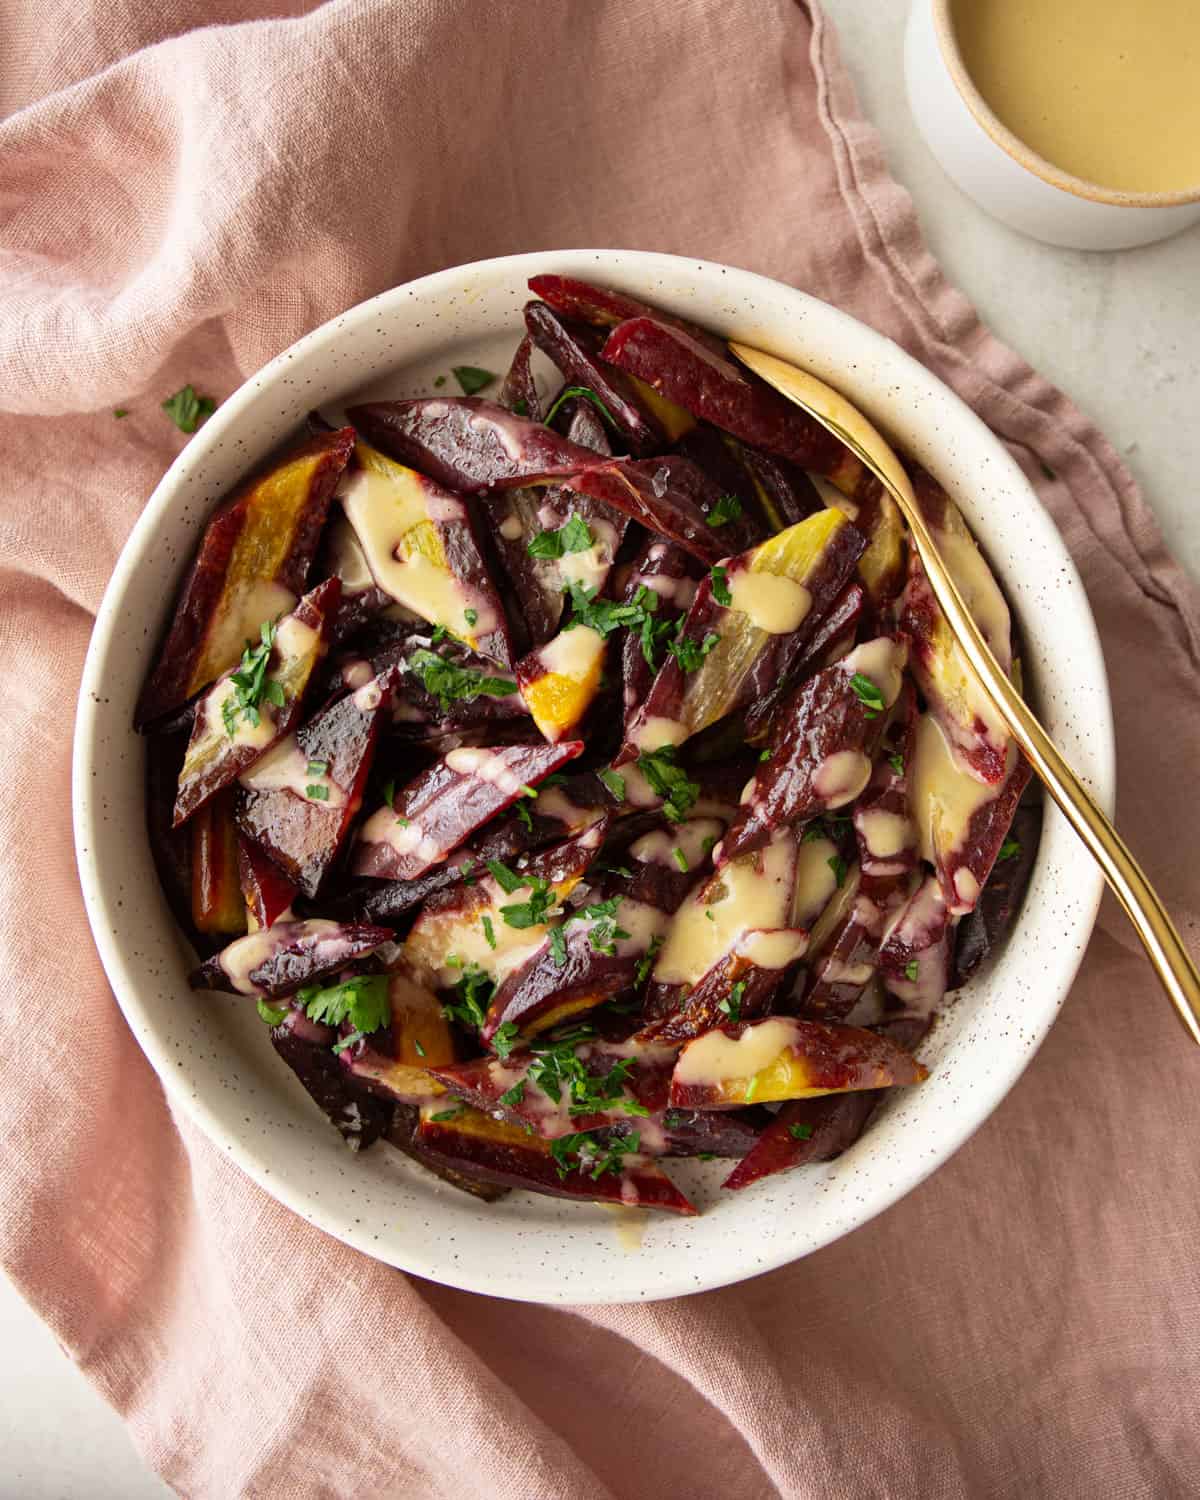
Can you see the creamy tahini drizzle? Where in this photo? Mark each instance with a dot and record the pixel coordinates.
(241, 615)
(773, 602)
(743, 897)
(285, 767)
(384, 507)
(574, 654)
(246, 954)
(689, 837)
(944, 795)
(719, 1059)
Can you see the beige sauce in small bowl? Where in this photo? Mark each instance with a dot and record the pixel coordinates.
(1106, 90)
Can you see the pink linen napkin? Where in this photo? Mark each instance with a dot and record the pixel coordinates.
(184, 190)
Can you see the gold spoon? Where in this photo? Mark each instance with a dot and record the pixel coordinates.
(1160, 937)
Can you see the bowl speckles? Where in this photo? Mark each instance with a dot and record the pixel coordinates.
(210, 1051)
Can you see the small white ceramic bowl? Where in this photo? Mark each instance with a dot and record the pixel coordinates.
(211, 1051)
(1005, 177)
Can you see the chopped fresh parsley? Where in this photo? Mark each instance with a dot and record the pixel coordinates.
(453, 684)
(669, 781)
(601, 615)
(363, 1001)
(448, 1114)
(1009, 849)
(513, 1096)
(897, 764)
(417, 1048)
(680, 858)
(766, 754)
(269, 1014)
(439, 382)
(867, 694)
(251, 683)
(911, 970)
(318, 767)
(389, 794)
(646, 962)
(472, 995)
(471, 616)
(520, 408)
(316, 793)
(439, 634)
(505, 1039)
(471, 378)
(604, 934)
(508, 880)
(575, 536)
(558, 946)
(690, 654)
(727, 508)
(120, 411)
(838, 865)
(800, 1132)
(535, 911)
(465, 870)
(524, 817)
(614, 783)
(586, 394)
(187, 410)
(720, 587)
(488, 930)
(731, 1006)
(585, 1152)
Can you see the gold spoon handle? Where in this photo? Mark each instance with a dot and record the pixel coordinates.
(1143, 907)
(1160, 937)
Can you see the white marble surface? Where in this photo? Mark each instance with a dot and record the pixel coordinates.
(1118, 332)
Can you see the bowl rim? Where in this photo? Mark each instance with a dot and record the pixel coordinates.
(88, 835)
(1023, 154)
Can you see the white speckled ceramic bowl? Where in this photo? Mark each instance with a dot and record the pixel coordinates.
(211, 1051)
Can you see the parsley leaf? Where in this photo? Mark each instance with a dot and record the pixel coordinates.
(867, 694)
(363, 1001)
(897, 764)
(669, 781)
(316, 793)
(471, 616)
(800, 1132)
(471, 379)
(520, 408)
(120, 411)
(452, 684)
(504, 1039)
(586, 394)
(512, 1096)
(488, 930)
(727, 508)
(531, 913)
(732, 1004)
(601, 615)
(472, 995)
(269, 1014)
(187, 410)
(508, 880)
(838, 865)
(604, 934)
(614, 783)
(1009, 849)
(720, 587)
(646, 962)
(558, 947)
(690, 654)
(448, 1114)
(680, 858)
(585, 1152)
(912, 969)
(251, 684)
(575, 536)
